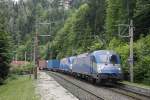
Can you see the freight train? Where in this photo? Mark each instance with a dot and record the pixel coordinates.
(98, 66)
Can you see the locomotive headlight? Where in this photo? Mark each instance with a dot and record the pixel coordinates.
(70, 66)
(119, 69)
(99, 68)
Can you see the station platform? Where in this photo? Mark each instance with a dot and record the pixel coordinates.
(48, 89)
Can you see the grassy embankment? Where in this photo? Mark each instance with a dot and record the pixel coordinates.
(137, 84)
(19, 88)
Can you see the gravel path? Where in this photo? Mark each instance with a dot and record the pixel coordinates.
(48, 89)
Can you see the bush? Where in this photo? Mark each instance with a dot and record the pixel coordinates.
(4, 70)
(142, 65)
(5, 55)
(21, 70)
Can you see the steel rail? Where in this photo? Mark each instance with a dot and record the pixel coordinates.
(133, 90)
(53, 74)
(116, 88)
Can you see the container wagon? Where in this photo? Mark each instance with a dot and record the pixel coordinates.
(53, 65)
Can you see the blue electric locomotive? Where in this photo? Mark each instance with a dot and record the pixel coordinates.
(70, 62)
(64, 67)
(66, 64)
(98, 65)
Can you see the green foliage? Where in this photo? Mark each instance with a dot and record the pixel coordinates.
(4, 70)
(5, 46)
(42, 51)
(142, 18)
(141, 58)
(142, 67)
(75, 29)
(96, 45)
(97, 15)
(142, 5)
(5, 55)
(80, 30)
(115, 14)
(5, 41)
(118, 12)
(20, 88)
(20, 70)
(77, 3)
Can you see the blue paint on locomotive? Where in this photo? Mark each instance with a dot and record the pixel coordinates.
(98, 64)
(70, 62)
(64, 66)
(82, 64)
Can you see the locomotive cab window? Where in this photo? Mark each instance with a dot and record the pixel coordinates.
(102, 59)
(114, 59)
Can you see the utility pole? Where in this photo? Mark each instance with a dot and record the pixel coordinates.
(130, 36)
(35, 53)
(36, 57)
(131, 50)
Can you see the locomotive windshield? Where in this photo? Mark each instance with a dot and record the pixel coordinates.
(113, 59)
(102, 58)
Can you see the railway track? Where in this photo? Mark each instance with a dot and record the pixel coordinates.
(86, 91)
(129, 93)
(79, 92)
(133, 91)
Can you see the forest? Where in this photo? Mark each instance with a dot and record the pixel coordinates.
(85, 26)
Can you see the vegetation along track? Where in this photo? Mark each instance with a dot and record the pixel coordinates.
(86, 91)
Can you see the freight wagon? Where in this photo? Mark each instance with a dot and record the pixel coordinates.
(53, 65)
(42, 64)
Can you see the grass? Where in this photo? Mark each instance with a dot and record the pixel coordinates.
(137, 84)
(21, 88)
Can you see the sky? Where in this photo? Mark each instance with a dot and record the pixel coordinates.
(16, 0)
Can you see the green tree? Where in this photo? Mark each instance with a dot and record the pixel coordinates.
(142, 18)
(142, 67)
(74, 32)
(116, 13)
(81, 30)
(5, 55)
